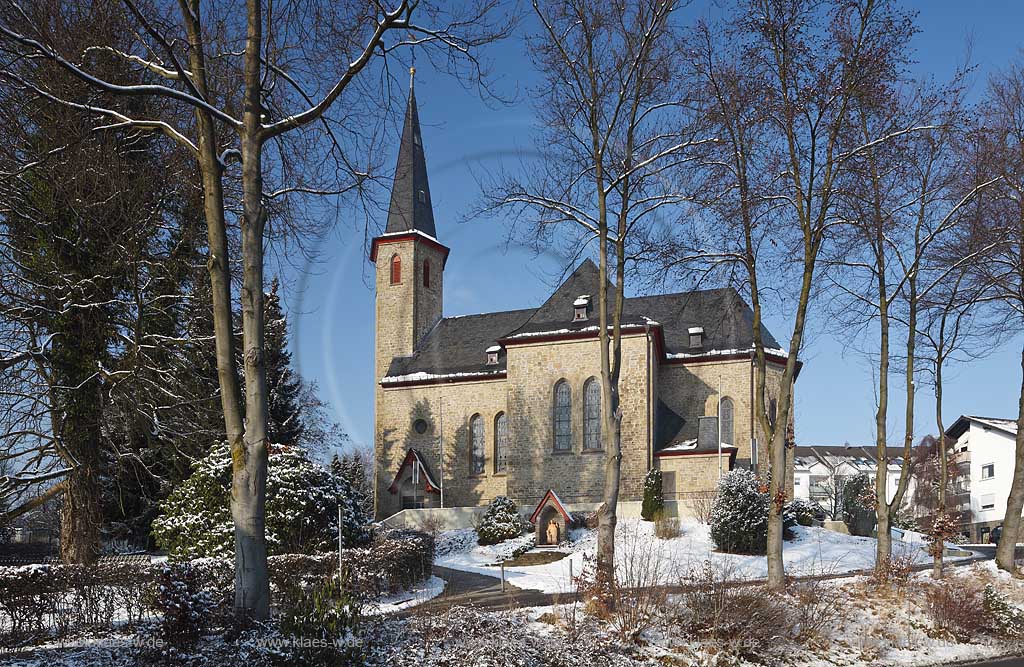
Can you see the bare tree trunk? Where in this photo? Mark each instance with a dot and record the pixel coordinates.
(940, 509)
(248, 489)
(883, 547)
(1006, 551)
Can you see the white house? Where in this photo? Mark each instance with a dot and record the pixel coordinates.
(819, 472)
(984, 454)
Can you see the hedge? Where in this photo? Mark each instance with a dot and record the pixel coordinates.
(53, 600)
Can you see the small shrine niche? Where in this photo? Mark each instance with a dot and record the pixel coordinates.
(550, 521)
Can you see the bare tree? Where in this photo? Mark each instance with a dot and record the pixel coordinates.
(781, 80)
(902, 200)
(613, 127)
(260, 102)
(951, 331)
(999, 227)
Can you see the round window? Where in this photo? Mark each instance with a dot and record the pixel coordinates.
(420, 426)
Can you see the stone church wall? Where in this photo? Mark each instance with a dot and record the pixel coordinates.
(577, 476)
(447, 410)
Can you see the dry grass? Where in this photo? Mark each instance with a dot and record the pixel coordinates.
(667, 527)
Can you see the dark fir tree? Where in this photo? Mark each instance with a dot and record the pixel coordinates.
(284, 386)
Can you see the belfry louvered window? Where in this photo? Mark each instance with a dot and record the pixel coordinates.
(592, 414)
(476, 431)
(563, 417)
(501, 442)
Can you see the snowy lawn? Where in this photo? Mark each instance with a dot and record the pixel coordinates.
(814, 551)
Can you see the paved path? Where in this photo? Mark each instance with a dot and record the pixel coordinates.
(483, 591)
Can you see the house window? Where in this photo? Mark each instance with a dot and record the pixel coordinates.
(725, 410)
(562, 417)
(476, 445)
(396, 269)
(988, 471)
(988, 501)
(426, 273)
(592, 414)
(501, 442)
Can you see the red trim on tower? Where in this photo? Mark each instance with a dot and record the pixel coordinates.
(409, 236)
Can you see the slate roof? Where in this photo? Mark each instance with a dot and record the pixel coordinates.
(1008, 426)
(867, 452)
(407, 211)
(457, 344)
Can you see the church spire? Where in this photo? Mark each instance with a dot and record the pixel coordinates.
(410, 195)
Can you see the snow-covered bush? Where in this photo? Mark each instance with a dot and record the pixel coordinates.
(802, 511)
(301, 510)
(184, 609)
(500, 522)
(739, 516)
(1005, 619)
(654, 500)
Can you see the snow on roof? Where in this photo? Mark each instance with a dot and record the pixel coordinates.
(422, 376)
(581, 300)
(688, 445)
(406, 232)
(715, 353)
(695, 330)
(556, 332)
(493, 348)
(1008, 425)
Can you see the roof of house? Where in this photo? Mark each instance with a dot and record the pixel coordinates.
(862, 456)
(408, 210)
(1008, 426)
(456, 346)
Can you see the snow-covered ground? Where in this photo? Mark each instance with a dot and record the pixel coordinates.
(418, 594)
(814, 551)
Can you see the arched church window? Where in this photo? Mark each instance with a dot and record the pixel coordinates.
(426, 273)
(725, 413)
(592, 414)
(396, 269)
(501, 442)
(476, 446)
(563, 417)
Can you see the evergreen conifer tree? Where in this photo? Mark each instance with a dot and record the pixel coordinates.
(285, 424)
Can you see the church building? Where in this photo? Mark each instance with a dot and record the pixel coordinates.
(508, 403)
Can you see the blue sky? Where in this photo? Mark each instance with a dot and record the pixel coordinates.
(331, 308)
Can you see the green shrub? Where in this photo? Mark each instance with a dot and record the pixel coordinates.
(739, 516)
(500, 522)
(323, 623)
(857, 505)
(654, 500)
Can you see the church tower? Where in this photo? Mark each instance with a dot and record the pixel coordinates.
(409, 258)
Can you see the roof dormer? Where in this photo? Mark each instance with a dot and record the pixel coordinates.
(581, 308)
(696, 337)
(492, 355)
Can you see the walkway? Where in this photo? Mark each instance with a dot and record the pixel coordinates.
(484, 592)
